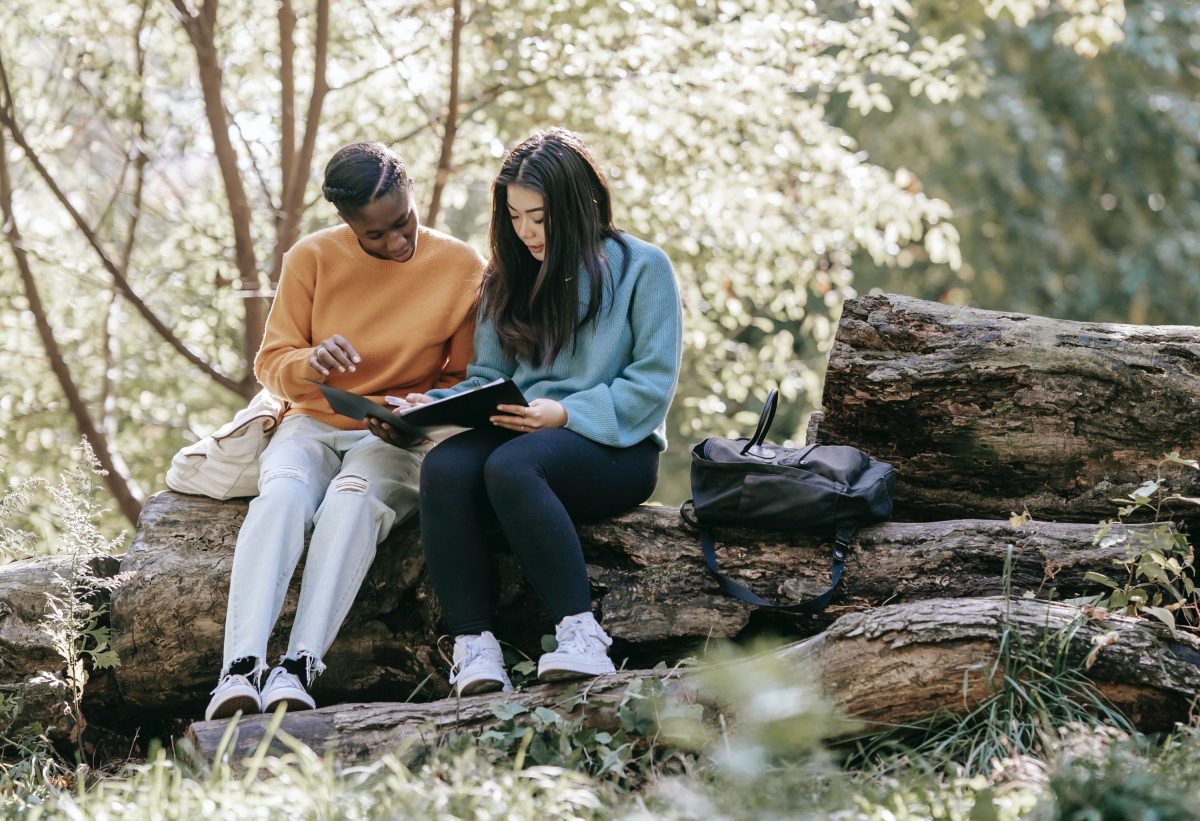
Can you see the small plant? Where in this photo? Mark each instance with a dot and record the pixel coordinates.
(1101, 773)
(75, 608)
(612, 737)
(15, 542)
(763, 754)
(1157, 575)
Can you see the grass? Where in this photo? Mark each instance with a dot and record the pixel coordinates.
(774, 762)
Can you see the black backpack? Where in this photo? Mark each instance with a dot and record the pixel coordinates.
(817, 489)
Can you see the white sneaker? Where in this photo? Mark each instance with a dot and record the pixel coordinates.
(284, 686)
(233, 692)
(582, 650)
(478, 665)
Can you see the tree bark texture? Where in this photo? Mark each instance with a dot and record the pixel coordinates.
(891, 665)
(902, 663)
(984, 413)
(648, 579)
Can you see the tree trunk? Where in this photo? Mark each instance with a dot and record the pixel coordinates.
(648, 579)
(891, 665)
(985, 413)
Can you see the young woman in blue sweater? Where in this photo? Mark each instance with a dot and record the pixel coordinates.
(587, 321)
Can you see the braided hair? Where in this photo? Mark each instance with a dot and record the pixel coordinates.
(361, 173)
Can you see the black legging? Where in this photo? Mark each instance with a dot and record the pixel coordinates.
(536, 485)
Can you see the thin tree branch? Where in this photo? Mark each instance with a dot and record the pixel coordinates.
(263, 185)
(117, 482)
(201, 30)
(482, 101)
(287, 94)
(112, 323)
(399, 62)
(451, 129)
(293, 199)
(8, 120)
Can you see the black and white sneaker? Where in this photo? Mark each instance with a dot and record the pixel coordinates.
(233, 693)
(283, 686)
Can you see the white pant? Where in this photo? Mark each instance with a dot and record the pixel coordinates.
(350, 488)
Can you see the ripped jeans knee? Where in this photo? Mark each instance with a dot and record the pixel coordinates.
(296, 472)
(350, 483)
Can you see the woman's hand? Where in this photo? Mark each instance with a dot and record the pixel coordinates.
(418, 399)
(541, 414)
(334, 352)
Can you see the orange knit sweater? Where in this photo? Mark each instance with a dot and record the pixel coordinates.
(411, 322)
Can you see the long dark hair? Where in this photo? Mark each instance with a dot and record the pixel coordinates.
(361, 173)
(534, 306)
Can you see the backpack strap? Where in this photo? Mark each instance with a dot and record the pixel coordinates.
(813, 605)
(689, 518)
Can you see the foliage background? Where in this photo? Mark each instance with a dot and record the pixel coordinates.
(1017, 155)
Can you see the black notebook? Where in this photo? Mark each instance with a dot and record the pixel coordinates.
(469, 409)
(359, 407)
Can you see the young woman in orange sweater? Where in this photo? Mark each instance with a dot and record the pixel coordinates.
(377, 305)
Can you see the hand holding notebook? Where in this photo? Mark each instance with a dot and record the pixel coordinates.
(435, 420)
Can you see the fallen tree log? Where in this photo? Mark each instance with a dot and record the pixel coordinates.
(984, 413)
(648, 578)
(902, 663)
(358, 733)
(891, 665)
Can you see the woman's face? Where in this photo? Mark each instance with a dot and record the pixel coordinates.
(527, 211)
(387, 227)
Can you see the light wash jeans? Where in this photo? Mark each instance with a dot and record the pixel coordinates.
(350, 488)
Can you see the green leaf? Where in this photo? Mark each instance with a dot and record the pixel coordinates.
(547, 716)
(1162, 614)
(507, 710)
(1099, 578)
(984, 808)
(106, 659)
(1146, 490)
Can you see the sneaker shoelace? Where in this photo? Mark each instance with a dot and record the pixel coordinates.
(578, 638)
(475, 650)
(289, 679)
(228, 680)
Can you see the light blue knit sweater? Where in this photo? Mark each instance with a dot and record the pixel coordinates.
(619, 378)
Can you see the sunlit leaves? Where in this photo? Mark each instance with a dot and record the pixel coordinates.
(1074, 180)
